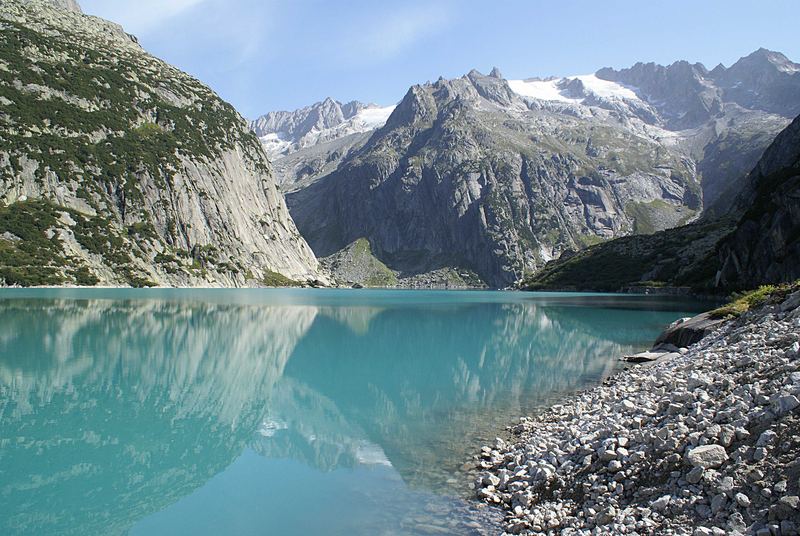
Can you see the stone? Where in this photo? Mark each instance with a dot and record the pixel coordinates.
(788, 528)
(743, 500)
(695, 475)
(707, 456)
(766, 438)
(608, 455)
(661, 503)
(718, 503)
(785, 404)
(785, 508)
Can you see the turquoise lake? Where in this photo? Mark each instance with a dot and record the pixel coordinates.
(254, 412)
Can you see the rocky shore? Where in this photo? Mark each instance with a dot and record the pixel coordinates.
(705, 440)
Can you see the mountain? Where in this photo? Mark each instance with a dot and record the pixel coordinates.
(119, 169)
(325, 132)
(497, 177)
(756, 242)
(765, 247)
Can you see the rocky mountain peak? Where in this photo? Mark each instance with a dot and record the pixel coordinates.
(493, 88)
(760, 63)
(418, 106)
(496, 73)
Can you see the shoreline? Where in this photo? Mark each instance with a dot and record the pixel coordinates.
(705, 440)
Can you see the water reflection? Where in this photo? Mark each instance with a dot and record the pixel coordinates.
(112, 410)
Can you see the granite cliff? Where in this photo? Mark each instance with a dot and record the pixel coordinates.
(117, 168)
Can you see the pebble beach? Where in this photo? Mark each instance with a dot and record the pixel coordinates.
(703, 441)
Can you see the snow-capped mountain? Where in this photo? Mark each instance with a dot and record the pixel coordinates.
(499, 176)
(282, 133)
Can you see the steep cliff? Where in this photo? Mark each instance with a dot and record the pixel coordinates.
(117, 168)
(756, 242)
(765, 247)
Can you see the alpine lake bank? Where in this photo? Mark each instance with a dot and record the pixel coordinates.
(700, 436)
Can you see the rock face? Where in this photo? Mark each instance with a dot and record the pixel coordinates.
(756, 242)
(69, 5)
(117, 168)
(499, 176)
(765, 248)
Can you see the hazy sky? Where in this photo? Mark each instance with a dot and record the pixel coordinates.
(264, 55)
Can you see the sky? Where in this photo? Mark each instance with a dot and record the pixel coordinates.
(264, 55)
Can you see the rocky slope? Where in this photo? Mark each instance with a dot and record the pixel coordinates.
(756, 242)
(117, 168)
(765, 247)
(499, 177)
(703, 442)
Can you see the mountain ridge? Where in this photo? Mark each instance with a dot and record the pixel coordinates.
(617, 161)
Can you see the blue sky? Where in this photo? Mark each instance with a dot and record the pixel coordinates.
(264, 55)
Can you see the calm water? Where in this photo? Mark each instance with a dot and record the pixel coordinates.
(280, 411)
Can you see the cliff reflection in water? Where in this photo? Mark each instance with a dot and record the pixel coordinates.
(113, 410)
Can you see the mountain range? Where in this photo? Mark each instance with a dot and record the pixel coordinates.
(483, 177)
(119, 169)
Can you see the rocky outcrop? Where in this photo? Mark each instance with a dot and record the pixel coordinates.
(133, 172)
(765, 247)
(688, 331)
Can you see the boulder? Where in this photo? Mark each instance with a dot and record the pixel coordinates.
(707, 456)
(687, 331)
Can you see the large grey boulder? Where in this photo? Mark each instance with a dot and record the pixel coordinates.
(687, 331)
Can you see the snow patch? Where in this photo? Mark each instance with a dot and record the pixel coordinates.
(606, 88)
(540, 89)
(372, 118)
(550, 90)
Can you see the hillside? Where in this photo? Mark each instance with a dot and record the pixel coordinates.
(118, 169)
(757, 242)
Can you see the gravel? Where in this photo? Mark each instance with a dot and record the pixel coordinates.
(706, 442)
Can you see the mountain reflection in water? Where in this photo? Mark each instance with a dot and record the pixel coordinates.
(114, 409)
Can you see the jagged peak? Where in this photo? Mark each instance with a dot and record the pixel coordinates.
(767, 58)
(496, 73)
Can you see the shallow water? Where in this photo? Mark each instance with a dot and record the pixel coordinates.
(249, 412)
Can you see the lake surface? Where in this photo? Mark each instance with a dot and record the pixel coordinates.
(253, 412)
